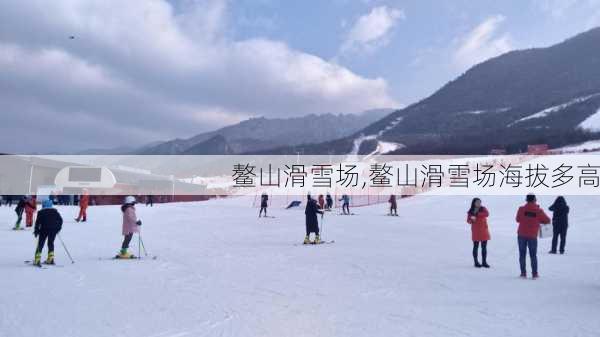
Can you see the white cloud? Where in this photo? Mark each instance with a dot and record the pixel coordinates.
(483, 42)
(156, 70)
(585, 11)
(372, 30)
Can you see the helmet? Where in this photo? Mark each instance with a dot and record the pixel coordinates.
(47, 203)
(130, 199)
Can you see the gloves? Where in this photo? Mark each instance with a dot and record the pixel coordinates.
(139, 222)
(36, 233)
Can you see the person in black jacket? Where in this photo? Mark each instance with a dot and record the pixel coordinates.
(312, 223)
(560, 223)
(19, 210)
(328, 202)
(47, 225)
(264, 203)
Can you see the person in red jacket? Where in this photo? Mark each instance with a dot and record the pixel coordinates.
(529, 217)
(84, 202)
(30, 208)
(477, 218)
(321, 201)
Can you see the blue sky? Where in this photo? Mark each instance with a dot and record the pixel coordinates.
(144, 70)
(417, 58)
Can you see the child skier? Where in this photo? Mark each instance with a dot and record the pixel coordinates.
(264, 203)
(19, 210)
(393, 205)
(312, 223)
(30, 208)
(84, 202)
(345, 204)
(130, 225)
(477, 218)
(47, 225)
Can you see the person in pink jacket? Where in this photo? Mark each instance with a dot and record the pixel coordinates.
(130, 225)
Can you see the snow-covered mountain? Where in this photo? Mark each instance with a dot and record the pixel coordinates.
(544, 95)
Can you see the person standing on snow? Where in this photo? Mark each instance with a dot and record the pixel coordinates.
(312, 222)
(560, 224)
(477, 218)
(321, 201)
(47, 225)
(329, 201)
(19, 210)
(130, 225)
(264, 203)
(529, 217)
(30, 208)
(84, 202)
(393, 205)
(345, 204)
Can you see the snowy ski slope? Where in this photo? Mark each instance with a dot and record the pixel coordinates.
(221, 271)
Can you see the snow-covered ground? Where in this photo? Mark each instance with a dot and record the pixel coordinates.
(221, 271)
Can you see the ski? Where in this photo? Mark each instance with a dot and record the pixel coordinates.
(44, 265)
(315, 244)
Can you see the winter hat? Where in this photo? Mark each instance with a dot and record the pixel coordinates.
(130, 199)
(47, 203)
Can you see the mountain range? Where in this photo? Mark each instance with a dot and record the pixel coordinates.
(542, 95)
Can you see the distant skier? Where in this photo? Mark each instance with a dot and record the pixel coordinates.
(264, 203)
(9, 200)
(329, 201)
(345, 204)
(477, 218)
(84, 202)
(321, 201)
(150, 200)
(47, 225)
(529, 217)
(393, 205)
(130, 225)
(19, 210)
(560, 224)
(312, 222)
(30, 208)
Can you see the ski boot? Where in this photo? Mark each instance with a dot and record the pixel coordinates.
(123, 254)
(50, 259)
(37, 261)
(317, 240)
(17, 227)
(523, 275)
(306, 240)
(485, 265)
(535, 276)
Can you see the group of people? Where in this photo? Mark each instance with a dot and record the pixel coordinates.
(49, 221)
(530, 217)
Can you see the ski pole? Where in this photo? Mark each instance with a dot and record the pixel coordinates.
(65, 247)
(142, 243)
(139, 246)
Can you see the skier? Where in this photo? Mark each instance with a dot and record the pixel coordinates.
(84, 202)
(47, 225)
(312, 223)
(560, 223)
(393, 205)
(150, 200)
(130, 225)
(321, 201)
(477, 218)
(345, 204)
(329, 201)
(19, 210)
(264, 203)
(529, 217)
(9, 200)
(30, 208)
